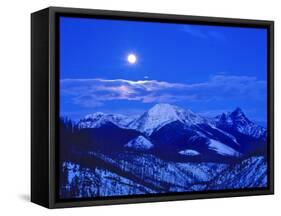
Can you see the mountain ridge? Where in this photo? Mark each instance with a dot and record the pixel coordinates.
(172, 127)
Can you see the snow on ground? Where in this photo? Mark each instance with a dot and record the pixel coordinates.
(145, 174)
(222, 149)
(84, 182)
(189, 152)
(249, 173)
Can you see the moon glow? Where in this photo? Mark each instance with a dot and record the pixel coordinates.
(132, 58)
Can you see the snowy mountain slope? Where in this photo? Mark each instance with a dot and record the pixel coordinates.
(161, 174)
(139, 143)
(162, 114)
(249, 173)
(99, 119)
(145, 173)
(80, 182)
(210, 143)
(223, 149)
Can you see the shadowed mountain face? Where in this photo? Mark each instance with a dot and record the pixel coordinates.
(251, 137)
(166, 149)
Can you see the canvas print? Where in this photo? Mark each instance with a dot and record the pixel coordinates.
(156, 108)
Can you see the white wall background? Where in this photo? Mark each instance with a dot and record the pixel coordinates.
(15, 106)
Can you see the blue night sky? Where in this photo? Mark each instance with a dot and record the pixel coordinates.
(208, 69)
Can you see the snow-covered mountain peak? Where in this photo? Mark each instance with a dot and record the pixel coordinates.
(98, 119)
(163, 107)
(166, 111)
(162, 114)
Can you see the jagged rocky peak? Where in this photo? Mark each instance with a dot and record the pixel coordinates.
(238, 114)
(235, 117)
(239, 117)
(238, 111)
(238, 121)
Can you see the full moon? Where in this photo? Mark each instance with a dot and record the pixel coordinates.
(132, 58)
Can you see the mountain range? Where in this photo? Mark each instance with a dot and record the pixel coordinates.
(171, 131)
(166, 149)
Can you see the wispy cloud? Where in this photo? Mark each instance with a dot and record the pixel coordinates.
(203, 32)
(95, 92)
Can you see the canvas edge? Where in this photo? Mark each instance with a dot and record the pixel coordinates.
(39, 165)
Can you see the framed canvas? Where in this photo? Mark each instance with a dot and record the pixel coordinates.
(138, 107)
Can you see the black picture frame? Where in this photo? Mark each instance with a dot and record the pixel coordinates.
(45, 105)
